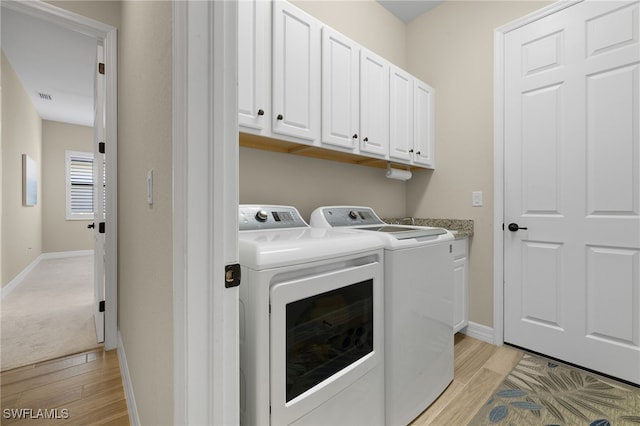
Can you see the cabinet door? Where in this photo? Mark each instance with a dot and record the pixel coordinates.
(340, 91)
(400, 114)
(374, 104)
(424, 124)
(460, 284)
(296, 73)
(254, 65)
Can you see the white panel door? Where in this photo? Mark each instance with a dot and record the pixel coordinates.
(572, 185)
(340, 90)
(254, 65)
(296, 73)
(400, 114)
(374, 104)
(99, 217)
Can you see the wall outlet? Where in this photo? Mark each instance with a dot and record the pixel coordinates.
(476, 199)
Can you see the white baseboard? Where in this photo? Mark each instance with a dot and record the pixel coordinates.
(128, 386)
(17, 280)
(13, 284)
(479, 331)
(63, 254)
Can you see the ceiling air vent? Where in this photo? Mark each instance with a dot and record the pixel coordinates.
(45, 96)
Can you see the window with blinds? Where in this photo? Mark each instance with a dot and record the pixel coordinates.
(79, 167)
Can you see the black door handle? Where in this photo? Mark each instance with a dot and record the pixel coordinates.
(513, 227)
(91, 226)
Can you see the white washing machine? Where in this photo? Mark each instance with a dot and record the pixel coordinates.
(311, 322)
(418, 274)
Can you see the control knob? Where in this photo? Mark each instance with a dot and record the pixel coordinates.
(262, 215)
(353, 214)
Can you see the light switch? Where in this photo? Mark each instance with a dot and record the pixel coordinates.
(150, 187)
(476, 198)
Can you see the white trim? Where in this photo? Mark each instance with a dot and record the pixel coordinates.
(134, 418)
(108, 35)
(498, 157)
(65, 254)
(17, 280)
(205, 215)
(480, 332)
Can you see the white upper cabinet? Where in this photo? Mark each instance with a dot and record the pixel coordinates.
(374, 104)
(254, 65)
(340, 90)
(424, 125)
(301, 81)
(401, 114)
(296, 73)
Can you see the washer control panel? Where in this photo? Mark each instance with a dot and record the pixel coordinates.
(255, 217)
(347, 216)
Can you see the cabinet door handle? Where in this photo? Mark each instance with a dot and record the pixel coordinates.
(261, 112)
(355, 136)
(418, 153)
(366, 139)
(280, 117)
(411, 151)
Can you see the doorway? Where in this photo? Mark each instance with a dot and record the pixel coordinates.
(77, 26)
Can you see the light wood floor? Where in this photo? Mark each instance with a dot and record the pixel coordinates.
(86, 388)
(89, 386)
(478, 370)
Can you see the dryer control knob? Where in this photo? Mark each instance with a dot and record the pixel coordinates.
(353, 214)
(262, 216)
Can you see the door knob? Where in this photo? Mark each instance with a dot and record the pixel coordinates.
(513, 227)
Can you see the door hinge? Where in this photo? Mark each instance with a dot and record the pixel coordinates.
(101, 67)
(101, 226)
(232, 275)
(101, 306)
(101, 147)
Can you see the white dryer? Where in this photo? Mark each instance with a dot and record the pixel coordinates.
(311, 322)
(418, 271)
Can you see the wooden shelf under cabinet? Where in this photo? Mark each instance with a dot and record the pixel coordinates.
(269, 144)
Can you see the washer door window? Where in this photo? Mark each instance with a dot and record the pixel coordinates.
(326, 333)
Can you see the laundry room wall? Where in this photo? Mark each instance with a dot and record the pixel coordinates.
(58, 233)
(21, 134)
(307, 183)
(451, 47)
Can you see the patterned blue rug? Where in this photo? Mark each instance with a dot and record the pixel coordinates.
(540, 391)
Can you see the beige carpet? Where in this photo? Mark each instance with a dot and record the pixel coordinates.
(50, 314)
(540, 391)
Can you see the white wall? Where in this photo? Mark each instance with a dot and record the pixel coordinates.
(58, 233)
(145, 252)
(451, 47)
(21, 134)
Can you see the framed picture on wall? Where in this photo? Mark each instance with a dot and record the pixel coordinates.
(29, 181)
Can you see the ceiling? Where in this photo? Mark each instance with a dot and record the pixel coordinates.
(51, 62)
(408, 10)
